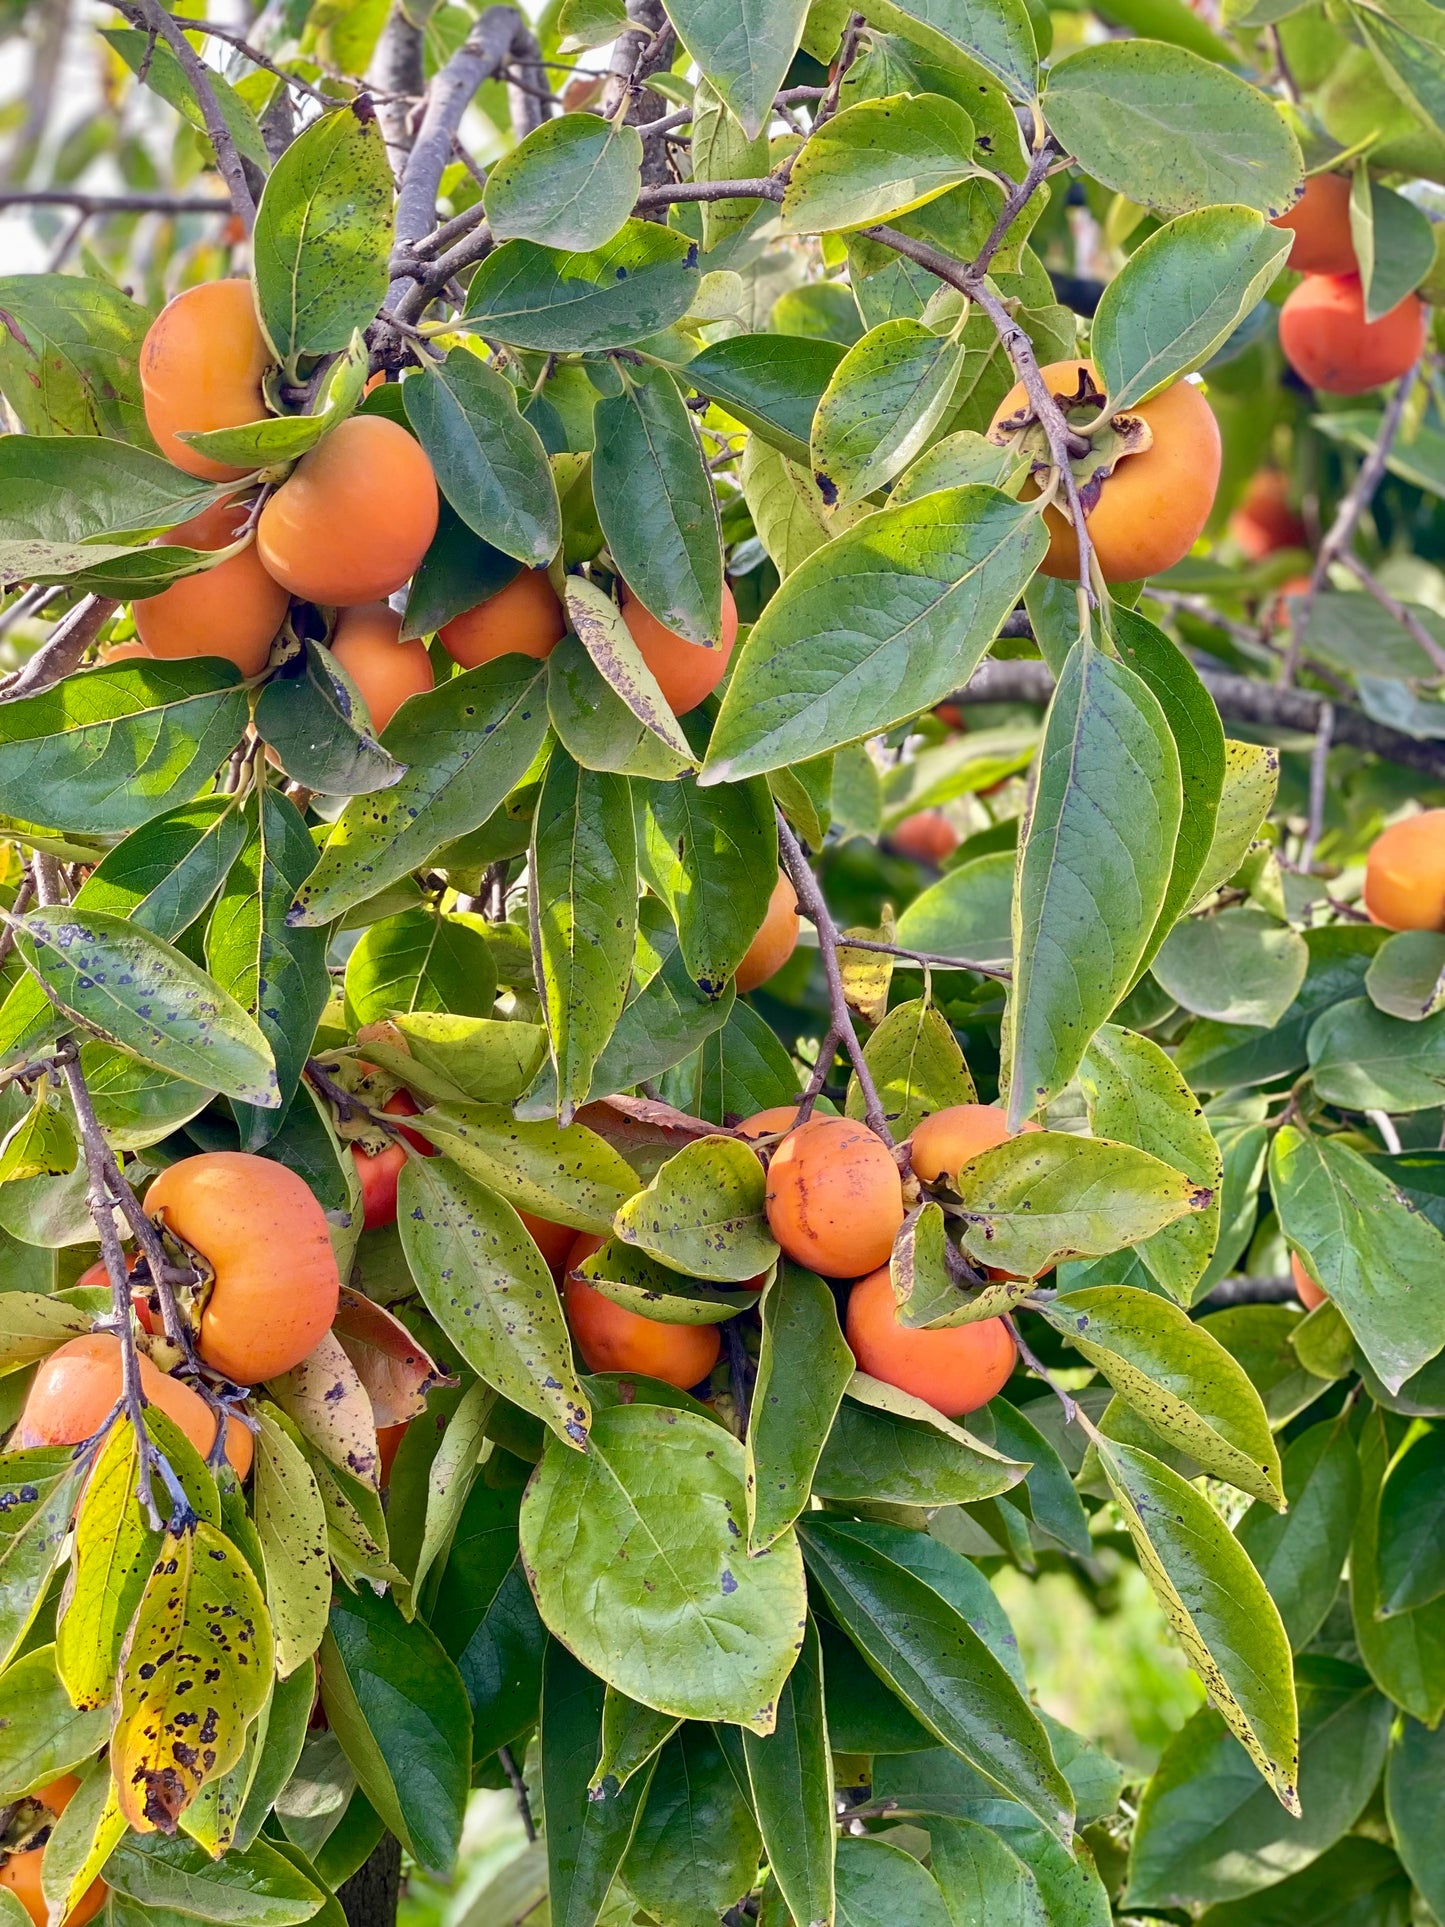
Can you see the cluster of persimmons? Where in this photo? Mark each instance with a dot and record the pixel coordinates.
(1322, 326)
(345, 530)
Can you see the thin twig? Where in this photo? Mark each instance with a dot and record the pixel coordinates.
(153, 19)
(814, 907)
(931, 958)
(96, 204)
(519, 1787)
(739, 1370)
(1319, 772)
(257, 59)
(1401, 611)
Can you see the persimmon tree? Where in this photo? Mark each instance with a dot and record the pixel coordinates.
(811, 640)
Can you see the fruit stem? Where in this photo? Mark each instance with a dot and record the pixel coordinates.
(814, 907)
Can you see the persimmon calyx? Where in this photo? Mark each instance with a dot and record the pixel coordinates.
(190, 1299)
(1098, 440)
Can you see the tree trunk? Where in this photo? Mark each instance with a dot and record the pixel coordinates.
(369, 1898)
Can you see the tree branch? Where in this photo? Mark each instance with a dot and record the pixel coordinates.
(398, 79)
(57, 657)
(639, 53)
(150, 16)
(257, 59)
(114, 203)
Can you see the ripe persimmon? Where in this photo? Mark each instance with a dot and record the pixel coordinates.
(355, 516)
(275, 1285)
(1147, 514)
(927, 836)
(1405, 874)
(554, 1241)
(834, 1197)
(955, 1371)
(776, 940)
(1306, 1290)
(613, 1339)
(524, 619)
(379, 1172)
(780, 1117)
(1264, 520)
(20, 1873)
(367, 643)
(686, 672)
(388, 1444)
(1320, 224)
(123, 652)
(201, 365)
(1328, 342)
(233, 610)
(945, 1141)
(76, 1388)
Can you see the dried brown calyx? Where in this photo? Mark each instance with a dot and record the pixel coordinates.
(1097, 440)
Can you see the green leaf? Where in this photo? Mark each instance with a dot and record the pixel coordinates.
(485, 1618)
(703, 1213)
(879, 1882)
(1216, 1602)
(68, 356)
(584, 870)
(744, 48)
(1052, 1503)
(487, 1059)
(323, 236)
(712, 857)
(41, 1733)
(1406, 1652)
(1180, 295)
(70, 490)
(489, 462)
(154, 63)
(1182, 1381)
(142, 995)
(570, 184)
(291, 1523)
(1366, 1060)
(657, 507)
(772, 384)
(696, 1849)
(1239, 966)
(1301, 1553)
(636, 1553)
(1093, 870)
(917, 1067)
(1047, 1196)
(276, 974)
(83, 1838)
(563, 1172)
(722, 150)
(1414, 1778)
(983, 1881)
(314, 717)
(106, 751)
(791, 1776)
(1171, 130)
(1406, 977)
(1208, 1831)
(1136, 1096)
(873, 628)
(659, 746)
(876, 160)
(1393, 240)
(1365, 1245)
(787, 508)
(111, 1562)
(631, 1736)
(284, 438)
(292, 1699)
(1358, 1883)
(32, 1325)
(1411, 1571)
(258, 1886)
(643, 280)
(197, 1658)
(395, 1702)
(164, 874)
(889, 1447)
(1247, 792)
(804, 1367)
(465, 745)
(631, 1279)
(922, 1645)
(484, 1281)
(423, 960)
(587, 1838)
(998, 38)
(888, 395)
(966, 913)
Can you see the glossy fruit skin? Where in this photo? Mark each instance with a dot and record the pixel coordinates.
(775, 942)
(1153, 508)
(201, 365)
(524, 619)
(955, 1371)
(686, 672)
(613, 1339)
(1306, 1290)
(781, 1117)
(354, 518)
(258, 1226)
(123, 652)
(367, 643)
(1405, 874)
(1320, 224)
(76, 1387)
(945, 1141)
(554, 1241)
(1328, 342)
(21, 1873)
(379, 1172)
(233, 610)
(927, 837)
(834, 1197)
(388, 1444)
(1264, 522)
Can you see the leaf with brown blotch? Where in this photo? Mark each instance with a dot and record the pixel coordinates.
(394, 1370)
(325, 1399)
